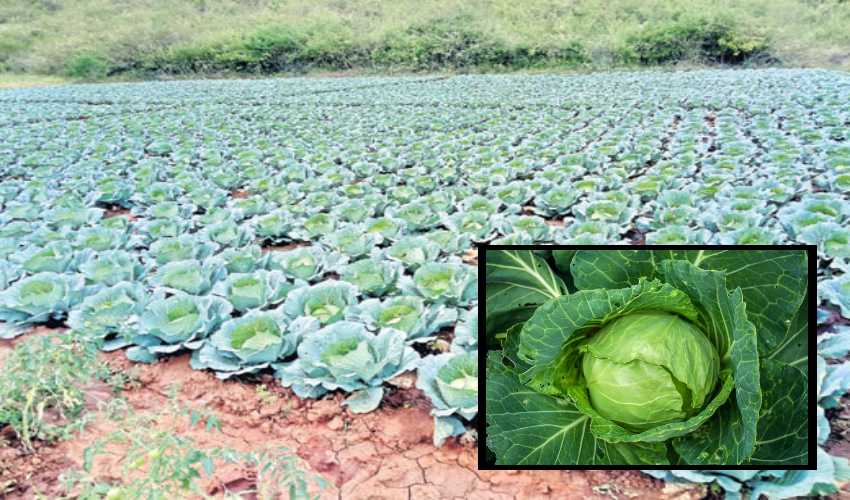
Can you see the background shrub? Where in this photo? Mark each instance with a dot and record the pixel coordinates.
(87, 67)
(699, 40)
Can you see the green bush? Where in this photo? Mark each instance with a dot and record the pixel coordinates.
(569, 54)
(454, 43)
(335, 47)
(203, 59)
(275, 49)
(698, 40)
(268, 50)
(441, 43)
(449, 43)
(8, 48)
(87, 66)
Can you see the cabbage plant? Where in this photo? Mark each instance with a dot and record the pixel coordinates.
(555, 202)
(413, 251)
(54, 257)
(228, 233)
(305, 263)
(448, 242)
(446, 283)
(273, 226)
(475, 224)
(450, 380)
(325, 301)
(385, 228)
(38, 299)
(245, 260)
(535, 228)
(408, 314)
(111, 312)
(110, 267)
(347, 356)
(190, 276)
(255, 290)
(351, 241)
(183, 247)
(417, 216)
(681, 357)
(101, 238)
(313, 227)
(250, 343)
(374, 277)
(178, 322)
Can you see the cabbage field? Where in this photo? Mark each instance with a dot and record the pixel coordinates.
(323, 230)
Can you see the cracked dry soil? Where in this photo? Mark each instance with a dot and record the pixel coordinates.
(387, 454)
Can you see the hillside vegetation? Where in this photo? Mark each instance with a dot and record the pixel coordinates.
(98, 38)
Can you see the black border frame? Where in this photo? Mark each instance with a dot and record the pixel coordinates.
(811, 254)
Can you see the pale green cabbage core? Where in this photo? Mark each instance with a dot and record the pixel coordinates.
(647, 369)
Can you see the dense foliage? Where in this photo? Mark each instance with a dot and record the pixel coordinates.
(96, 38)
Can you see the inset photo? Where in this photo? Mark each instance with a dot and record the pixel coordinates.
(681, 357)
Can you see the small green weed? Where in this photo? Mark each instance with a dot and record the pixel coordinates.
(161, 464)
(43, 387)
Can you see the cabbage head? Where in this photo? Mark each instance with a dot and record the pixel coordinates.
(649, 368)
(674, 357)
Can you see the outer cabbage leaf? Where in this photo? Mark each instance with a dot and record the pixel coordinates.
(526, 427)
(466, 331)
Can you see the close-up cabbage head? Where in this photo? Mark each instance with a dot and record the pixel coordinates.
(647, 357)
(649, 368)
